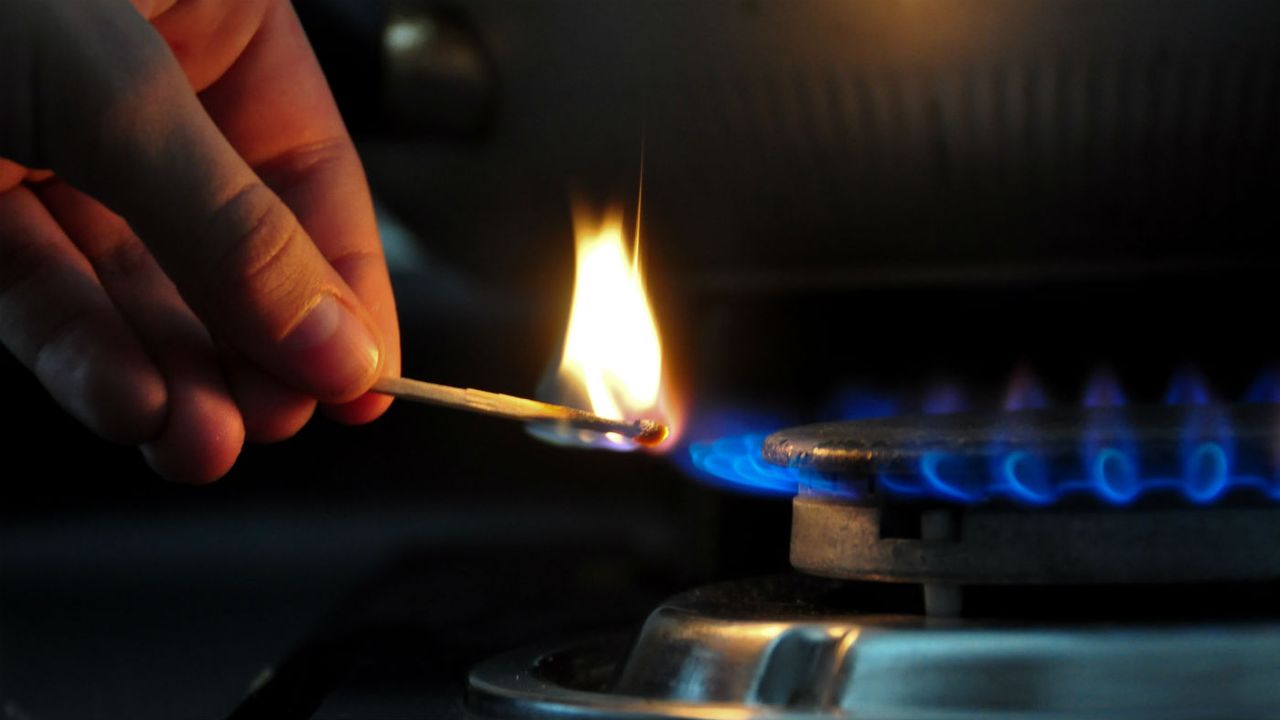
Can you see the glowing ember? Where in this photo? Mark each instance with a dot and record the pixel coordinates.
(612, 359)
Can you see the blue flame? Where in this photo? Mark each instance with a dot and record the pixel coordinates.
(1025, 477)
(1110, 470)
(733, 459)
(1103, 390)
(735, 463)
(1025, 392)
(1115, 476)
(1187, 387)
(1200, 464)
(1111, 476)
(861, 403)
(941, 487)
(1266, 389)
(1207, 454)
(1207, 472)
(944, 398)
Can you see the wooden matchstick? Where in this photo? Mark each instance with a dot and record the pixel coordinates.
(644, 432)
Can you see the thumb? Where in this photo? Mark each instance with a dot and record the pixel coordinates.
(116, 117)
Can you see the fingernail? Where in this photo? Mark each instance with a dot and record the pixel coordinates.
(332, 349)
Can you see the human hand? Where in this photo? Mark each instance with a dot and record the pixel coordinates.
(199, 263)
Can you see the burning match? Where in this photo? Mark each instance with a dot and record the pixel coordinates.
(611, 360)
(648, 433)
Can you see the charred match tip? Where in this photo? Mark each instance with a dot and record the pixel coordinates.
(651, 432)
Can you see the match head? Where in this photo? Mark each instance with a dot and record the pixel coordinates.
(651, 434)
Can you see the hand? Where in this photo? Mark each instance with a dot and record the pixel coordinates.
(199, 264)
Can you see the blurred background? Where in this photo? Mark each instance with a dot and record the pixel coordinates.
(851, 208)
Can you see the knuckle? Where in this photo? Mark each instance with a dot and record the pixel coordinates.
(288, 168)
(261, 252)
(353, 261)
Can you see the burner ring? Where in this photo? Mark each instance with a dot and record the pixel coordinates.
(1188, 455)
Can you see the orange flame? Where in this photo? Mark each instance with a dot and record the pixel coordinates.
(612, 361)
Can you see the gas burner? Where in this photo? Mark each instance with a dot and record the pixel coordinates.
(1037, 564)
(1102, 497)
(797, 647)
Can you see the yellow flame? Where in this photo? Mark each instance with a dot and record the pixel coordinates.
(612, 349)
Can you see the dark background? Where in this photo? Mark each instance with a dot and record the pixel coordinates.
(838, 195)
